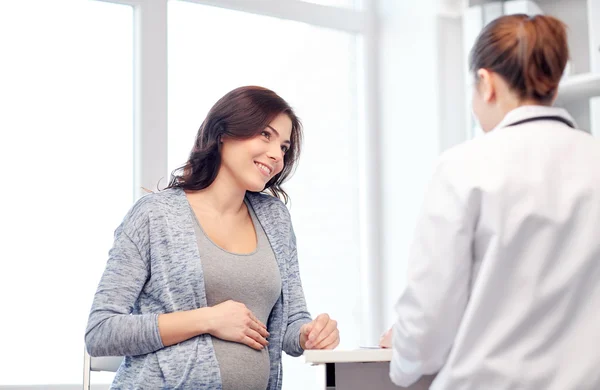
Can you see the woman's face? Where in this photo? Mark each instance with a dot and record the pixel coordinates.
(251, 163)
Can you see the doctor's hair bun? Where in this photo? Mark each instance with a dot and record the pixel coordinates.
(529, 52)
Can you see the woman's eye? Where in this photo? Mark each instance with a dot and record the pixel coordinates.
(284, 149)
(266, 134)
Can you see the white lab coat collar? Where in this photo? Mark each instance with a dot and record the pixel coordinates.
(526, 112)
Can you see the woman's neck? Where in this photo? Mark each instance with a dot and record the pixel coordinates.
(513, 102)
(220, 197)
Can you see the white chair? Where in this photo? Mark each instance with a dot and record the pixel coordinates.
(108, 364)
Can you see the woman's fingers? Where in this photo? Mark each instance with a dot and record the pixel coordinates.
(257, 337)
(257, 326)
(331, 339)
(329, 327)
(252, 343)
(259, 322)
(332, 345)
(318, 325)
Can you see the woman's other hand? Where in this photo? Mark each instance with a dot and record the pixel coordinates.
(233, 321)
(386, 339)
(321, 333)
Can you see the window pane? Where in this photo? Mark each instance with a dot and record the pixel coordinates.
(314, 69)
(66, 157)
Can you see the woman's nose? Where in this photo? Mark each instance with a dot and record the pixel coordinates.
(275, 153)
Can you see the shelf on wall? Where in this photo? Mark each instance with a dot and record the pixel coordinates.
(579, 87)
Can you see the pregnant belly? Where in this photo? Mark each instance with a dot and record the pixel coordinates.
(241, 366)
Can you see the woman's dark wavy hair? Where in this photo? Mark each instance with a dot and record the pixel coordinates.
(241, 114)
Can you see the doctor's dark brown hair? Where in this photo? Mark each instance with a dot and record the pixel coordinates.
(530, 53)
(241, 114)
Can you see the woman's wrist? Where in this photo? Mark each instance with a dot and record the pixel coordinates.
(302, 338)
(204, 320)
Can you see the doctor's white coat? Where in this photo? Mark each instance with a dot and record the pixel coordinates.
(503, 291)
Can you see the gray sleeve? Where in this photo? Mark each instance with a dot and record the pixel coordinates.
(112, 330)
(299, 314)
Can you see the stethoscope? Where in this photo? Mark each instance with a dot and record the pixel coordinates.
(544, 118)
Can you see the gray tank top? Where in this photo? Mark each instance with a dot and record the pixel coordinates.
(252, 279)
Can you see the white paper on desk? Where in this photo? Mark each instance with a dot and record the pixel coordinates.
(370, 347)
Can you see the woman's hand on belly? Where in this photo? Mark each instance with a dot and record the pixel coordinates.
(233, 321)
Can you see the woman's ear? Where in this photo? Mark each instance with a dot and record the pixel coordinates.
(554, 97)
(486, 85)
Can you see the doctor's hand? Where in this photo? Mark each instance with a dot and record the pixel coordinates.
(386, 339)
(321, 333)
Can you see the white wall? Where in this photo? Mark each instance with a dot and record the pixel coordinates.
(421, 114)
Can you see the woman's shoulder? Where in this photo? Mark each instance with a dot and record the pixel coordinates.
(148, 205)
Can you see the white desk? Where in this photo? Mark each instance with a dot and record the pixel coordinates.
(359, 369)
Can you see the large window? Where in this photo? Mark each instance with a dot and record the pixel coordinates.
(315, 70)
(66, 160)
(83, 114)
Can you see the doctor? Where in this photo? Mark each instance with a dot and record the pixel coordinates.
(503, 289)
